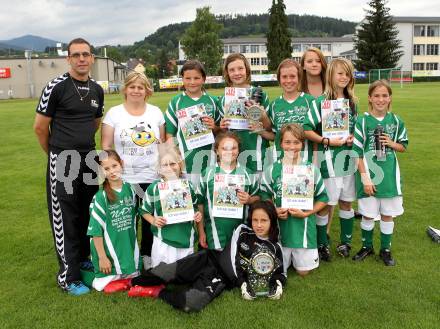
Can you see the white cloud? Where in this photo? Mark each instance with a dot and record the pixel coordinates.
(124, 21)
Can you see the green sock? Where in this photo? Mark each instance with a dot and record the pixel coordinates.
(385, 240)
(321, 231)
(346, 229)
(367, 238)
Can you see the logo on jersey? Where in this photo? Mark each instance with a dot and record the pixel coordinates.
(94, 103)
(143, 135)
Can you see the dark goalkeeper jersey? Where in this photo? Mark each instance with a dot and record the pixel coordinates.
(73, 120)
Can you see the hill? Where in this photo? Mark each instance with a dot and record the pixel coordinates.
(31, 42)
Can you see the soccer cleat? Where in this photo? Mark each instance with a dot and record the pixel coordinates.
(363, 253)
(357, 215)
(343, 250)
(140, 291)
(385, 254)
(433, 233)
(324, 253)
(117, 285)
(77, 288)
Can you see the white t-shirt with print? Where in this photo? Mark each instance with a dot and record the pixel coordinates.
(135, 139)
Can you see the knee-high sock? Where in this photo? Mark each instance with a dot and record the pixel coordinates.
(321, 229)
(346, 220)
(386, 232)
(367, 227)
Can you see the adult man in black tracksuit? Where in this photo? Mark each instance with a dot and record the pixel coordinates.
(68, 115)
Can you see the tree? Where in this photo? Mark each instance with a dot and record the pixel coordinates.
(162, 64)
(279, 39)
(376, 40)
(201, 40)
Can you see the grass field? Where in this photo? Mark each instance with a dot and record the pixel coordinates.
(340, 294)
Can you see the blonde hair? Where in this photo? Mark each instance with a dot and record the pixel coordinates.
(377, 84)
(295, 129)
(288, 62)
(304, 85)
(168, 149)
(232, 58)
(132, 77)
(330, 86)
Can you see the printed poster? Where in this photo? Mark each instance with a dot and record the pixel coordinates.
(226, 203)
(176, 201)
(235, 109)
(335, 117)
(298, 187)
(195, 132)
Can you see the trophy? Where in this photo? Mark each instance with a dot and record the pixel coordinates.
(380, 149)
(253, 112)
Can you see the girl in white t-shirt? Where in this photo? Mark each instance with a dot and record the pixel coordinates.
(134, 129)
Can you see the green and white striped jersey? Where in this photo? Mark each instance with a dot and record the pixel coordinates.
(253, 146)
(295, 232)
(219, 230)
(385, 173)
(116, 224)
(201, 157)
(179, 235)
(282, 112)
(336, 161)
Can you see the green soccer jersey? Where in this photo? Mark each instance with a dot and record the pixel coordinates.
(219, 230)
(116, 224)
(282, 112)
(253, 146)
(179, 235)
(295, 232)
(336, 161)
(385, 173)
(198, 158)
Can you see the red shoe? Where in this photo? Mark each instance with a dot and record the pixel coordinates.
(117, 285)
(140, 291)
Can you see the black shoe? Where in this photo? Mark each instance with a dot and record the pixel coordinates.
(324, 253)
(357, 215)
(385, 254)
(343, 250)
(363, 253)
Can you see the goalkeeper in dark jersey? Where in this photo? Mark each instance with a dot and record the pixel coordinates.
(252, 261)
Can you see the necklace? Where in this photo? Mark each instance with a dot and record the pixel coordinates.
(77, 90)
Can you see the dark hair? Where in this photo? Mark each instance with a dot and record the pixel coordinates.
(78, 41)
(270, 210)
(193, 64)
(104, 155)
(232, 58)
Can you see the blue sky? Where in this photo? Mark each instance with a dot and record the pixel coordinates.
(123, 21)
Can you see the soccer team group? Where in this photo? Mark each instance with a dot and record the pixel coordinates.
(147, 150)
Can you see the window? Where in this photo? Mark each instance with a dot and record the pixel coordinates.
(432, 66)
(264, 61)
(297, 59)
(418, 66)
(263, 49)
(255, 61)
(296, 47)
(431, 49)
(326, 47)
(316, 46)
(432, 31)
(225, 49)
(245, 49)
(419, 50)
(419, 30)
(234, 49)
(305, 47)
(255, 49)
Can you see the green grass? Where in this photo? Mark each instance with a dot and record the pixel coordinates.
(341, 294)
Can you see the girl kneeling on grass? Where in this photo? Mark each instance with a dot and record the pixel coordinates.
(112, 227)
(252, 260)
(379, 134)
(224, 189)
(297, 227)
(171, 241)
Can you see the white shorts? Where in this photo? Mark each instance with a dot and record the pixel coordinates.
(372, 207)
(162, 252)
(340, 188)
(302, 259)
(100, 283)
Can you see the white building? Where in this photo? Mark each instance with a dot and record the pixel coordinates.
(420, 38)
(254, 49)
